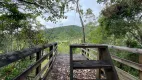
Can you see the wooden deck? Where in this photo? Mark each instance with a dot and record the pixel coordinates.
(60, 70)
(82, 70)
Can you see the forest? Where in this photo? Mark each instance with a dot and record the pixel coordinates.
(119, 23)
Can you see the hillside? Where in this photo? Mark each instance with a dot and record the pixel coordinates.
(65, 32)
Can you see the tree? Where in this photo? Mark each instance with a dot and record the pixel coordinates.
(17, 18)
(122, 18)
(54, 8)
(81, 20)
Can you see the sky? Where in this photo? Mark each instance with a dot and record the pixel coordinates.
(72, 16)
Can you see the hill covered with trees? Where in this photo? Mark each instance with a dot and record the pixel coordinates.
(64, 32)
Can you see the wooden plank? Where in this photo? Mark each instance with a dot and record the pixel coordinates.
(128, 62)
(87, 57)
(105, 55)
(89, 53)
(38, 56)
(32, 67)
(122, 48)
(38, 76)
(8, 58)
(98, 71)
(93, 50)
(90, 64)
(71, 63)
(88, 46)
(123, 75)
(50, 67)
(140, 71)
(88, 79)
(50, 56)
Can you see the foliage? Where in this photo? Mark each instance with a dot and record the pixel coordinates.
(19, 28)
(18, 17)
(9, 72)
(64, 35)
(55, 8)
(96, 35)
(64, 32)
(126, 15)
(119, 24)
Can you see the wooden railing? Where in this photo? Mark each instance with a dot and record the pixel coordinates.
(138, 66)
(123, 75)
(93, 61)
(40, 55)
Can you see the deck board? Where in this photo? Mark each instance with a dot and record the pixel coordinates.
(60, 70)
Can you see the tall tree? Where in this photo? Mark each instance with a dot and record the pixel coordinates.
(81, 20)
(123, 18)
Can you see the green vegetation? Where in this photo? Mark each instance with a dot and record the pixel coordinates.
(19, 28)
(64, 33)
(120, 23)
(65, 36)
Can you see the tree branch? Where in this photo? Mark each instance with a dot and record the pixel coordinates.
(136, 37)
(52, 11)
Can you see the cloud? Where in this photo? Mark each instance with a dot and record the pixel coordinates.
(73, 17)
(92, 4)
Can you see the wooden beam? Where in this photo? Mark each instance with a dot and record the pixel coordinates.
(122, 48)
(128, 62)
(50, 67)
(23, 75)
(90, 64)
(88, 46)
(38, 76)
(38, 56)
(71, 63)
(50, 56)
(8, 58)
(123, 75)
(89, 53)
(140, 71)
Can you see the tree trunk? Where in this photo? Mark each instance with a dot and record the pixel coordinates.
(83, 30)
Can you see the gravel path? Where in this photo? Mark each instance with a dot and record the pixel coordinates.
(60, 70)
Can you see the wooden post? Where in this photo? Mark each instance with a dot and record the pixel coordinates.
(56, 48)
(83, 52)
(71, 63)
(38, 56)
(111, 74)
(50, 56)
(98, 71)
(140, 62)
(88, 53)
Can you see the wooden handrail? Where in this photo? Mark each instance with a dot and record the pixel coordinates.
(89, 53)
(137, 66)
(8, 58)
(122, 48)
(123, 75)
(128, 62)
(88, 46)
(103, 54)
(35, 65)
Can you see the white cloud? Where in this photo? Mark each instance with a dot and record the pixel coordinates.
(72, 16)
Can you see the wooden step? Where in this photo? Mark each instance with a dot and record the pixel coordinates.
(90, 64)
(88, 79)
